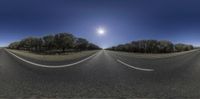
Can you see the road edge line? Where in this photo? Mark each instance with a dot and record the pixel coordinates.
(137, 68)
(49, 66)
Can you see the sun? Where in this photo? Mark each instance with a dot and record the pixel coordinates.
(101, 31)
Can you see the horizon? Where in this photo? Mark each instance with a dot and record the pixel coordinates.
(133, 20)
(6, 45)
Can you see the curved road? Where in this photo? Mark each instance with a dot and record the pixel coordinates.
(103, 76)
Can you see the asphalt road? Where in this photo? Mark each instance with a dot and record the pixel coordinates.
(103, 76)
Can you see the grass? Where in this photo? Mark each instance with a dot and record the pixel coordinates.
(150, 55)
(61, 57)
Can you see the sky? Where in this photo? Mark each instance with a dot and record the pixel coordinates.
(123, 20)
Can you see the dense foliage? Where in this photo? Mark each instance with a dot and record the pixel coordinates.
(58, 42)
(151, 46)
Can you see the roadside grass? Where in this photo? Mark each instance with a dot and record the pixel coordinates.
(152, 55)
(54, 58)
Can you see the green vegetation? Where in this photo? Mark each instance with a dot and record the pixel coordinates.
(57, 43)
(183, 47)
(151, 46)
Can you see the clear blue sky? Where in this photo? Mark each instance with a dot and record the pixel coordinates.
(124, 20)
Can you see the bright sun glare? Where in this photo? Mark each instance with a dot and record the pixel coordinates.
(101, 31)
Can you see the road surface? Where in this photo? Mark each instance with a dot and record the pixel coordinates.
(103, 76)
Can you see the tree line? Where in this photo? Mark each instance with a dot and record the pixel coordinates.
(59, 42)
(152, 46)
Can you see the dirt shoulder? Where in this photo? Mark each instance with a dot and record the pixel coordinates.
(152, 56)
(53, 58)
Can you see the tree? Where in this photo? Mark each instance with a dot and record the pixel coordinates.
(60, 41)
(31, 44)
(64, 40)
(14, 45)
(39, 44)
(142, 46)
(92, 47)
(151, 46)
(134, 46)
(81, 44)
(26, 43)
(49, 42)
(183, 47)
(165, 46)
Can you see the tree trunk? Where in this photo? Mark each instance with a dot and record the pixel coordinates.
(63, 49)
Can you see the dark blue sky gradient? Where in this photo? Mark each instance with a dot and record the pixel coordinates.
(124, 20)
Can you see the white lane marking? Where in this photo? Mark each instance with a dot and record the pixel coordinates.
(48, 66)
(137, 68)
